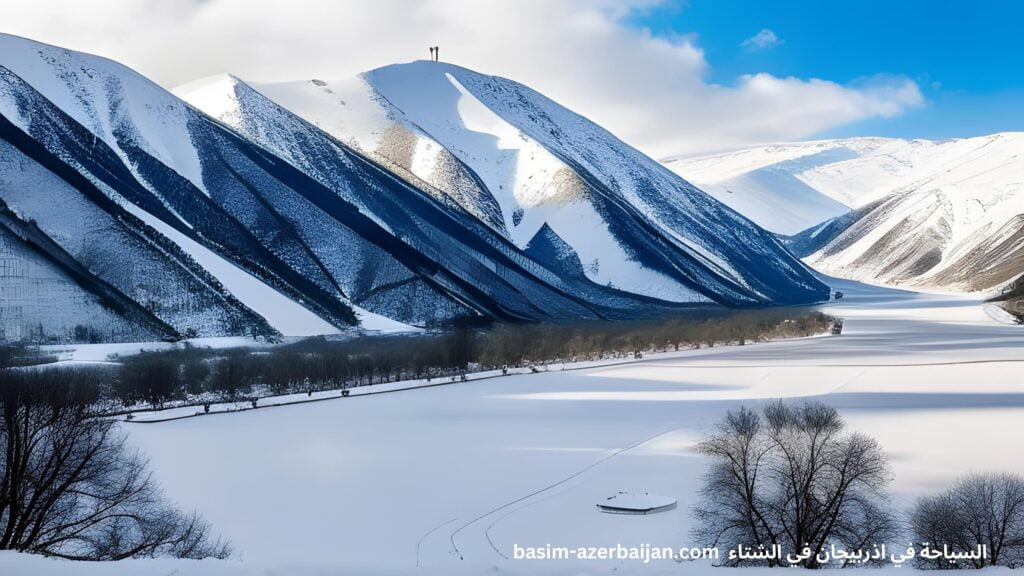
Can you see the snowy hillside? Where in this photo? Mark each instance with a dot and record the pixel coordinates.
(47, 295)
(538, 173)
(409, 196)
(74, 221)
(130, 151)
(456, 257)
(940, 214)
(776, 186)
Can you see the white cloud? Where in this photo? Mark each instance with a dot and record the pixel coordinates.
(649, 90)
(761, 41)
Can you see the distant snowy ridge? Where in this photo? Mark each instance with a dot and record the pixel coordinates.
(916, 213)
(775, 185)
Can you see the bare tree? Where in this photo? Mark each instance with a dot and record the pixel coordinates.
(69, 486)
(150, 377)
(793, 477)
(979, 509)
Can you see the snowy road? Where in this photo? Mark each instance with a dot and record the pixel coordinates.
(450, 478)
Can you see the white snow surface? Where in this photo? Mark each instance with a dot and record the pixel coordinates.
(347, 108)
(946, 202)
(373, 322)
(386, 483)
(113, 101)
(787, 188)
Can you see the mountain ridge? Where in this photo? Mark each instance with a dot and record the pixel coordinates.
(531, 184)
(942, 214)
(288, 222)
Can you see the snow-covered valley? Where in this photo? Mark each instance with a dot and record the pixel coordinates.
(421, 318)
(448, 479)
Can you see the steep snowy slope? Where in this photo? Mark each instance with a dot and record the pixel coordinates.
(153, 156)
(47, 296)
(766, 184)
(466, 258)
(471, 260)
(955, 221)
(40, 187)
(943, 214)
(537, 173)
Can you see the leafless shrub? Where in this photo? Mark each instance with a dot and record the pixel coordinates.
(979, 509)
(792, 476)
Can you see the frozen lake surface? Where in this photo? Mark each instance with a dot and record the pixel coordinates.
(451, 478)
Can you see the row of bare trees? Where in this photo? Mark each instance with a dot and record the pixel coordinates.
(192, 374)
(70, 487)
(792, 476)
(12, 355)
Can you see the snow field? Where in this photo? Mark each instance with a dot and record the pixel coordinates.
(434, 475)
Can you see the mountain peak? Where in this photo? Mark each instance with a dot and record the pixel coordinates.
(519, 161)
(214, 81)
(215, 96)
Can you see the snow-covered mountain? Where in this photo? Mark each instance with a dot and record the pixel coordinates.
(939, 214)
(52, 201)
(464, 256)
(538, 174)
(48, 292)
(250, 218)
(207, 196)
(776, 186)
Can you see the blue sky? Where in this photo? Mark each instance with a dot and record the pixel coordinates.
(967, 57)
(672, 77)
